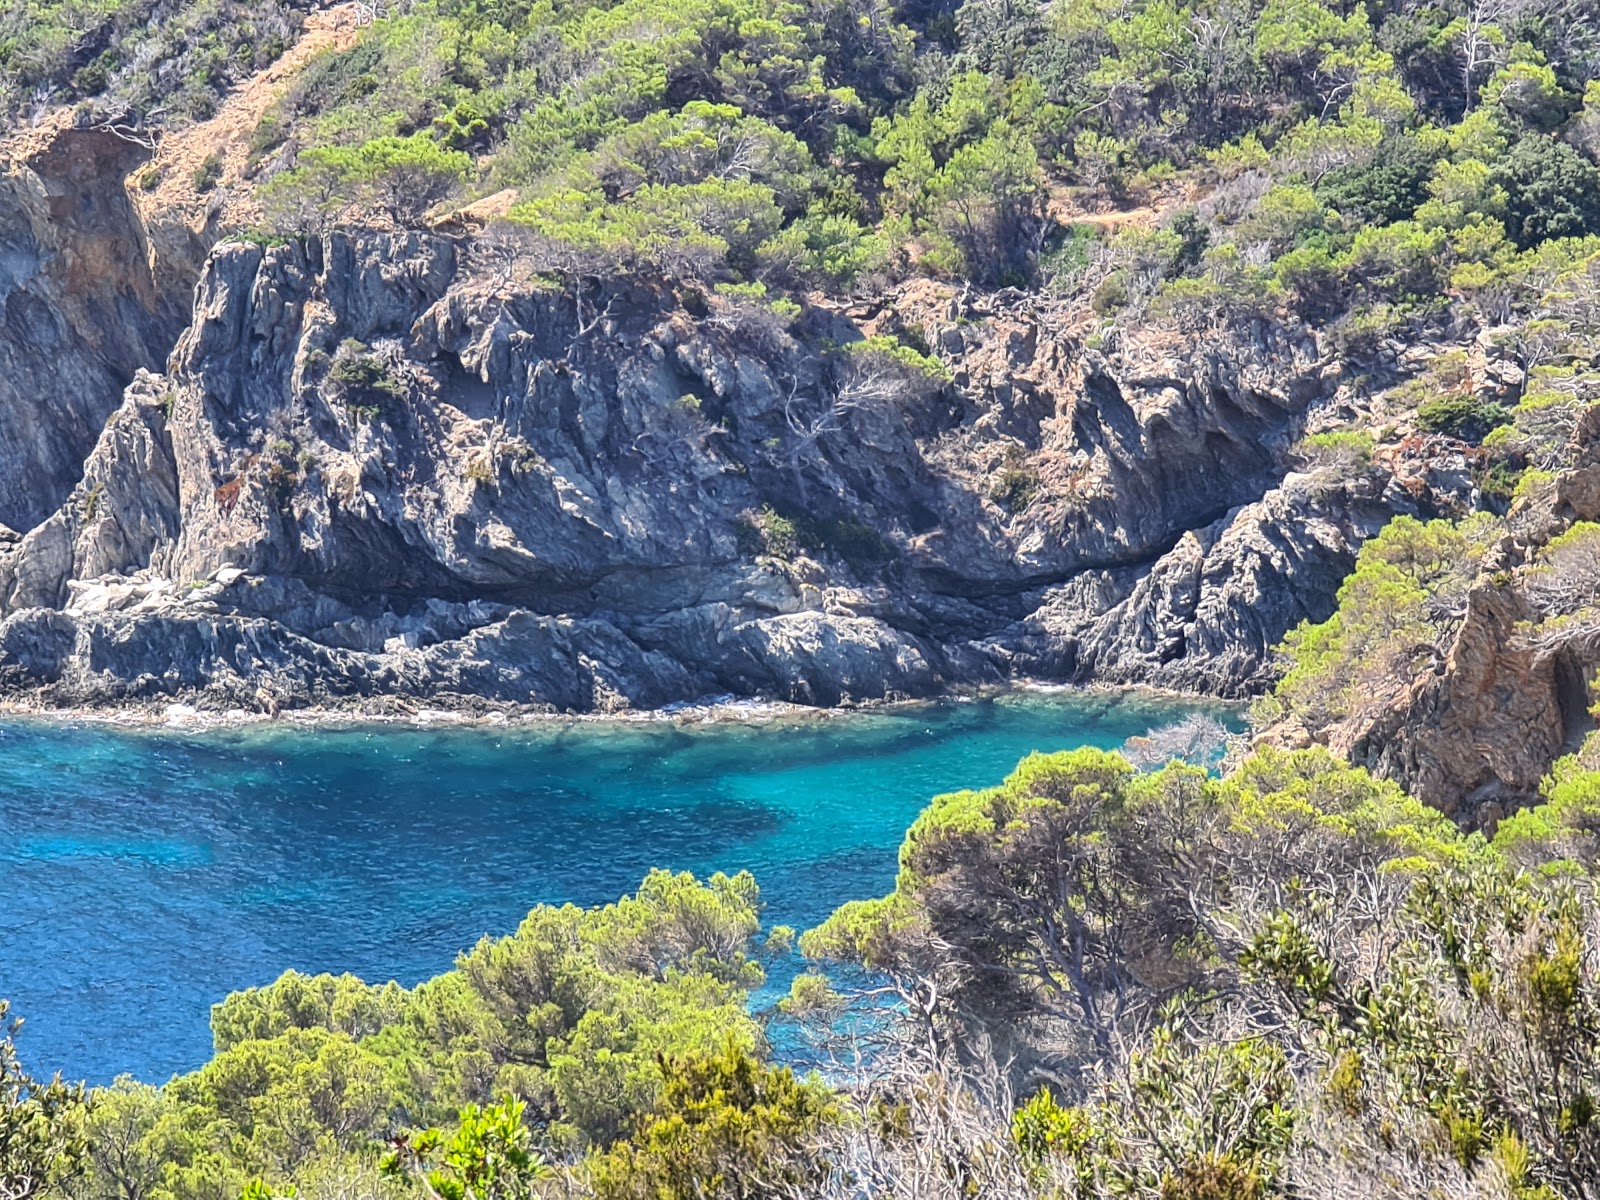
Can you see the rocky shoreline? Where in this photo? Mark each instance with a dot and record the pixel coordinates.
(713, 710)
(372, 476)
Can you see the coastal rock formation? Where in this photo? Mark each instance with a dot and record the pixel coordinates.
(1475, 737)
(1205, 616)
(370, 470)
(1484, 731)
(80, 307)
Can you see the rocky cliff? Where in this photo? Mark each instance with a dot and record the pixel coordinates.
(80, 308)
(371, 473)
(1475, 736)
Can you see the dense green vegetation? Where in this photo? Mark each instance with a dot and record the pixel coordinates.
(1289, 980)
(1363, 161)
(1359, 162)
(163, 61)
(568, 1016)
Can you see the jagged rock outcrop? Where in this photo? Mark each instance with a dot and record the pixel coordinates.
(1475, 738)
(367, 473)
(122, 516)
(1484, 731)
(1205, 616)
(80, 309)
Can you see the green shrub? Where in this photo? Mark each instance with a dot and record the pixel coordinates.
(1462, 416)
(900, 353)
(1499, 482)
(1214, 1177)
(335, 79)
(1044, 1129)
(463, 127)
(1551, 191)
(724, 1126)
(91, 80)
(1388, 187)
(770, 532)
(773, 534)
(1066, 257)
(207, 175)
(1350, 449)
(1111, 295)
(399, 177)
(1015, 488)
(269, 133)
(363, 381)
(859, 545)
(365, 374)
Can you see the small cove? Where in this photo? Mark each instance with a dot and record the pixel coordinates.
(150, 872)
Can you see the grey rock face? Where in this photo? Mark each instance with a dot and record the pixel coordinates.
(122, 516)
(369, 476)
(80, 311)
(1205, 616)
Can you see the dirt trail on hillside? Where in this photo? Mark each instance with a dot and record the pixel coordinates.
(227, 135)
(1066, 208)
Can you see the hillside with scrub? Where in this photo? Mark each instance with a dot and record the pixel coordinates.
(1289, 160)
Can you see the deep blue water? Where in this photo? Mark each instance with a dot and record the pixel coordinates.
(147, 874)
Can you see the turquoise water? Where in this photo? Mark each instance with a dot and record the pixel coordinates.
(147, 874)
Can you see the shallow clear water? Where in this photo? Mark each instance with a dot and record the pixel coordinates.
(147, 874)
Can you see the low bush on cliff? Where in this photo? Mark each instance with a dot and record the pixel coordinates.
(363, 381)
(1464, 417)
(400, 178)
(1396, 612)
(1341, 452)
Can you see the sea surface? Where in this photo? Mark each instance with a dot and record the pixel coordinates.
(145, 874)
